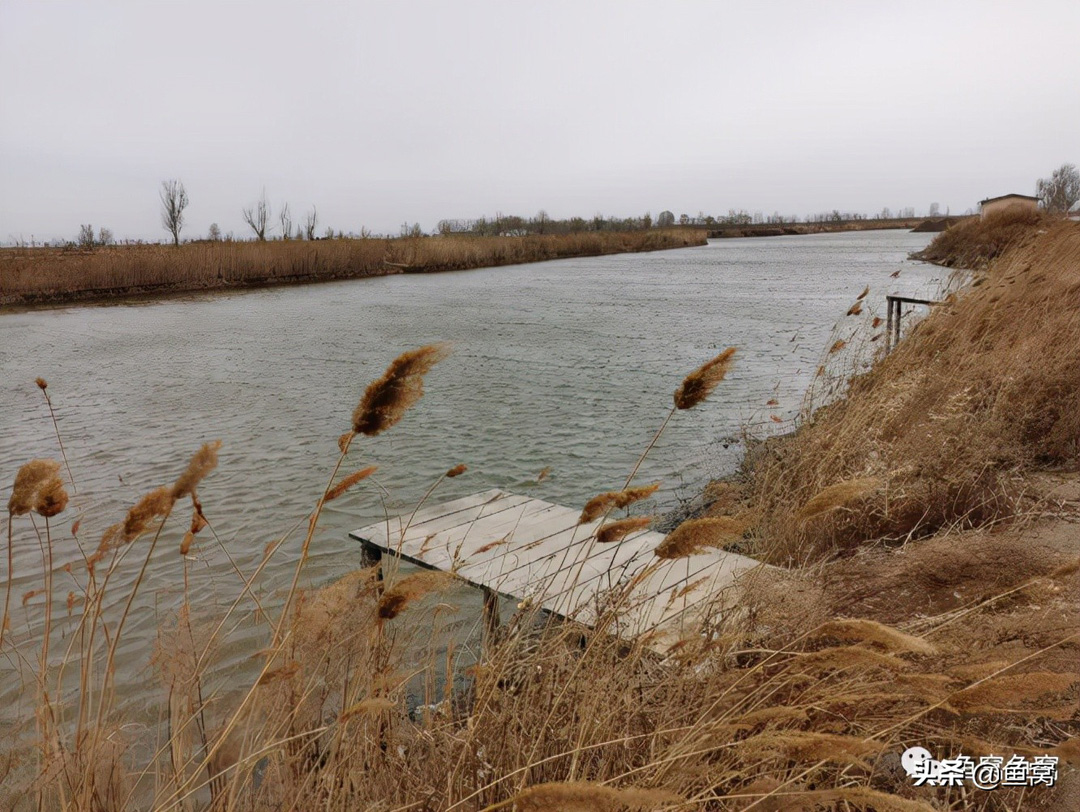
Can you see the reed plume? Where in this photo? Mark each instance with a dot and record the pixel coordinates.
(871, 631)
(348, 481)
(610, 500)
(156, 503)
(371, 705)
(1010, 690)
(811, 746)
(618, 530)
(51, 498)
(700, 383)
(855, 309)
(838, 345)
(30, 480)
(387, 399)
(457, 471)
(862, 295)
(585, 796)
(396, 599)
(862, 798)
(837, 495)
(694, 535)
(842, 657)
(202, 463)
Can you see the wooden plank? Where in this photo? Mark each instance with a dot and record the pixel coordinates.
(464, 513)
(487, 536)
(528, 548)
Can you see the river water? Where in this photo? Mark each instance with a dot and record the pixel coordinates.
(568, 365)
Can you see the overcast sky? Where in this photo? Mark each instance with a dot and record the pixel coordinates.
(386, 112)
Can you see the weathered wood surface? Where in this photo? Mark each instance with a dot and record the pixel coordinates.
(529, 549)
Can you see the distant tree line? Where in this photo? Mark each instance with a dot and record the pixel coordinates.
(1058, 193)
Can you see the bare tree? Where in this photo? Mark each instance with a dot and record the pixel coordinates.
(86, 236)
(286, 222)
(174, 200)
(258, 217)
(1061, 190)
(310, 222)
(214, 233)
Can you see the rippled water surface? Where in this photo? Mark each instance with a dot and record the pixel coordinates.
(568, 364)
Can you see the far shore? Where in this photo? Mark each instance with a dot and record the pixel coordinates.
(919, 224)
(35, 277)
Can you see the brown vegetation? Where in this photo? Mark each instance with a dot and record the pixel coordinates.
(45, 275)
(975, 241)
(942, 431)
(803, 698)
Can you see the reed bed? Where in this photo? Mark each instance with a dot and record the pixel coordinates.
(802, 696)
(30, 275)
(942, 432)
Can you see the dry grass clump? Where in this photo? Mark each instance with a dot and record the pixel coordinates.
(974, 242)
(51, 275)
(396, 599)
(949, 422)
(838, 495)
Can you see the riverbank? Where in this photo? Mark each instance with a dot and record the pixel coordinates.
(956, 636)
(916, 224)
(48, 276)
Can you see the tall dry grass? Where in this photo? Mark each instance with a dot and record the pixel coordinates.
(47, 274)
(751, 709)
(976, 241)
(940, 433)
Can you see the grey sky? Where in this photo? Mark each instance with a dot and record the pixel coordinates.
(380, 113)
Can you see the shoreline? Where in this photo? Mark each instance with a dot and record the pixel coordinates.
(32, 279)
(916, 224)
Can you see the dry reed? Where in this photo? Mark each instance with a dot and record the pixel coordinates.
(759, 707)
(620, 529)
(611, 500)
(387, 399)
(582, 796)
(700, 383)
(51, 275)
(348, 481)
(695, 535)
(398, 597)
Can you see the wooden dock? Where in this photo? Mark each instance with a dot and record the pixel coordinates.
(530, 550)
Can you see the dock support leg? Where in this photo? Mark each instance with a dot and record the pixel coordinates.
(896, 324)
(491, 615)
(888, 324)
(371, 556)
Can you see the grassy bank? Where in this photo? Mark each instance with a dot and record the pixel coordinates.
(920, 224)
(940, 433)
(929, 518)
(47, 275)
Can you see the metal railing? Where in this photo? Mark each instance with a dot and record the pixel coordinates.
(892, 323)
